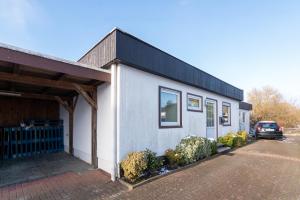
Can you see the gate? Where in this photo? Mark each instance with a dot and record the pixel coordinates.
(18, 142)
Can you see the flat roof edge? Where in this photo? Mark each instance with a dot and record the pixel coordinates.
(164, 52)
(245, 106)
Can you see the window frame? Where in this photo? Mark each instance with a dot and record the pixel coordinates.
(229, 118)
(179, 121)
(195, 96)
(212, 117)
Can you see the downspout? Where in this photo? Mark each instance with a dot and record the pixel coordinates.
(114, 119)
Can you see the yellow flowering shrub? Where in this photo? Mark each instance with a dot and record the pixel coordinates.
(174, 158)
(244, 136)
(234, 139)
(134, 165)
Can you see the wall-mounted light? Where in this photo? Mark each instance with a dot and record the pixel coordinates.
(15, 94)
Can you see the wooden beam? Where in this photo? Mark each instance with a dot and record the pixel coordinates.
(94, 131)
(70, 107)
(57, 77)
(75, 102)
(71, 127)
(15, 70)
(86, 96)
(37, 96)
(65, 104)
(41, 81)
(27, 95)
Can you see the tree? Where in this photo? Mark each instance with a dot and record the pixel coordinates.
(269, 104)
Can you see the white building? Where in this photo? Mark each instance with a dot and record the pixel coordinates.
(155, 99)
(152, 101)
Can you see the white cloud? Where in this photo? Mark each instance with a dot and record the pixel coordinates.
(17, 14)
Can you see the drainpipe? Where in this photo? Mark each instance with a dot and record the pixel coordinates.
(114, 118)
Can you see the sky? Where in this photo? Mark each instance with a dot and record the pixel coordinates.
(249, 43)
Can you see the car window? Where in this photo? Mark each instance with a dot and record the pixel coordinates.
(268, 125)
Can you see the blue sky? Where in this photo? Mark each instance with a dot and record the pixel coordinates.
(249, 43)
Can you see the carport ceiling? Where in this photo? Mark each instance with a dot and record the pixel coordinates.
(32, 74)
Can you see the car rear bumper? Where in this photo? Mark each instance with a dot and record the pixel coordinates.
(269, 135)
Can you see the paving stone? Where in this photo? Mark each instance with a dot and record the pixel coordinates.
(88, 185)
(266, 169)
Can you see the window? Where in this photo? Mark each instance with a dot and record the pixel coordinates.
(210, 117)
(226, 114)
(169, 107)
(269, 125)
(244, 117)
(194, 103)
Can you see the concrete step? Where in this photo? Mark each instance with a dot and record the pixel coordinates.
(223, 149)
(220, 145)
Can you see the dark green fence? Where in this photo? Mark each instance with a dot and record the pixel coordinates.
(17, 142)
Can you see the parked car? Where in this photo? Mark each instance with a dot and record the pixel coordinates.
(268, 129)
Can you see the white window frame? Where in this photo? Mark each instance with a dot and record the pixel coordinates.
(228, 123)
(197, 97)
(210, 116)
(177, 124)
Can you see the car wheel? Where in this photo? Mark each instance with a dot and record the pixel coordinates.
(280, 138)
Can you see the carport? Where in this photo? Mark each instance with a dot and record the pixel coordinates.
(29, 75)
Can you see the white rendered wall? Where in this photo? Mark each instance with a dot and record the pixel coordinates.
(138, 113)
(82, 130)
(64, 115)
(245, 125)
(104, 129)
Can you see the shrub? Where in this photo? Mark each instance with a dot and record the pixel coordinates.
(214, 147)
(174, 158)
(234, 140)
(228, 140)
(206, 147)
(134, 165)
(238, 141)
(193, 148)
(190, 148)
(244, 136)
(153, 162)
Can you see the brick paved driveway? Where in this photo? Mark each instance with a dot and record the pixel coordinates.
(42, 166)
(267, 169)
(88, 185)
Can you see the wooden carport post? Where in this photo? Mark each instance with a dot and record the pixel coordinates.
(94, 130)
(71, 125)
(92, 100)
(70, 107)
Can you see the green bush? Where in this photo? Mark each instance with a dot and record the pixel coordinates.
(193, 148)
(238, 141)
(234, 139)
(206, 147)
(174, 158)
(214, 147)
(134, 165)
(153, 162)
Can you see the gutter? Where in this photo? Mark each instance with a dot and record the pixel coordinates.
(114, 85)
